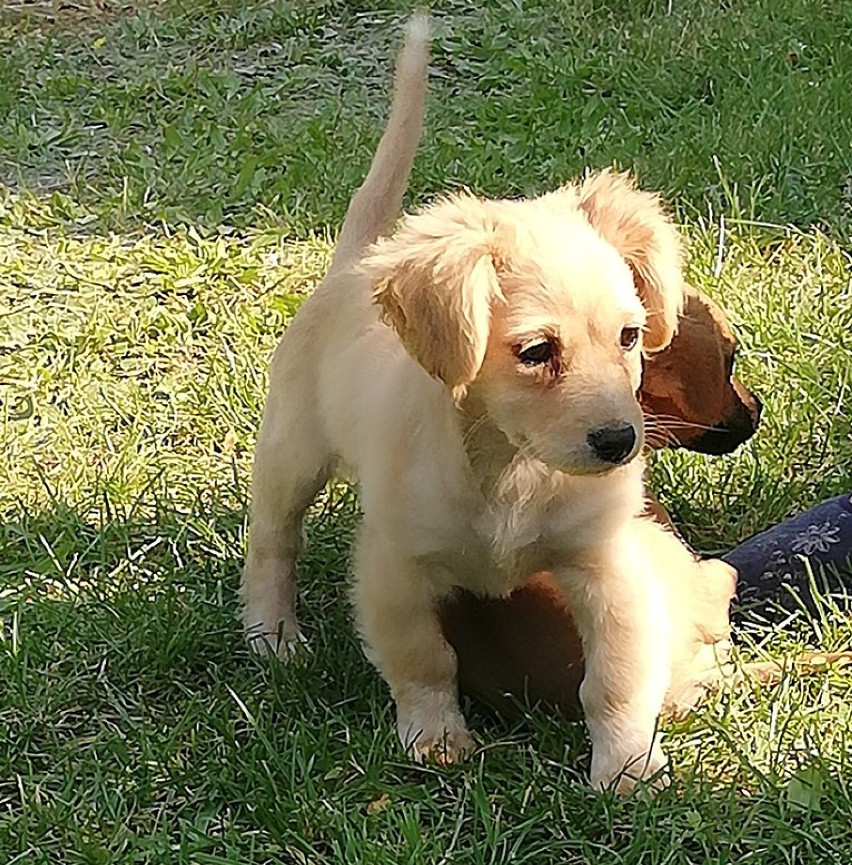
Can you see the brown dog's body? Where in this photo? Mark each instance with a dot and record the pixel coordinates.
(525, 649)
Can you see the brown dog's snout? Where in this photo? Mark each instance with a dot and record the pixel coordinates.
(690, 386)
(737, 428)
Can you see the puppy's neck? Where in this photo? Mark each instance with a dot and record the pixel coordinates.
(489, 452)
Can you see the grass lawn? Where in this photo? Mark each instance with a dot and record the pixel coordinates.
(171, 176)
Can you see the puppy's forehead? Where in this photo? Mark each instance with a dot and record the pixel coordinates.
(565, 269)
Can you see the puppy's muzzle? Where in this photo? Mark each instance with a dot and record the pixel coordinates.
(612, 444)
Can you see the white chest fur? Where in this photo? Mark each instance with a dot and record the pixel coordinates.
(528, 518)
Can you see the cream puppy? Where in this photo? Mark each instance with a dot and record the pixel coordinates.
(477, 371)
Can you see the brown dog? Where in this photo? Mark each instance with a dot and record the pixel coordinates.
(690, 391)
(525, 648)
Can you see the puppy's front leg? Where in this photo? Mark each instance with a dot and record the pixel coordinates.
(624, 621)
(396, 607)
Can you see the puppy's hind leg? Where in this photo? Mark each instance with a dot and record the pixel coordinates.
(397, 615)
(292, 463)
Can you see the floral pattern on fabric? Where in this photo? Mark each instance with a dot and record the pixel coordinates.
(776, 561)
(816, 539)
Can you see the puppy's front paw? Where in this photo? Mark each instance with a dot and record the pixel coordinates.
(622, 772)
(444, 748)
(440, 737)
(285, 641)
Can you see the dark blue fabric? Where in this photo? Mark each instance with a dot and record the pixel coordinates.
(772, 565)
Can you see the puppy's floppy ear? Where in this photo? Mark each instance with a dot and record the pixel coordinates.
(435, 279)
(635, 223)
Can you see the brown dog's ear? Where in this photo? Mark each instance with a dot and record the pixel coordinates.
(435, 280)
(635, 223)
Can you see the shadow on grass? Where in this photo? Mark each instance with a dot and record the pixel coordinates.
(136, 724)
(224, 112)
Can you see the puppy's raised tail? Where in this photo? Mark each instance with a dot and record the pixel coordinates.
(377, 203)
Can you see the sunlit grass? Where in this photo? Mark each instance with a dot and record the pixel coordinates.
(174, 173)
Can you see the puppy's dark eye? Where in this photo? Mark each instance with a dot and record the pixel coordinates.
(537, 353)
(629, 338)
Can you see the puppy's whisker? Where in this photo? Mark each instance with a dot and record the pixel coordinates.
(660, 421)
(666, 432)
(659, 435)
(679, 424)
(661, 439)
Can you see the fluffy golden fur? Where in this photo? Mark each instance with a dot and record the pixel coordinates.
(477, 371)
(524, 648)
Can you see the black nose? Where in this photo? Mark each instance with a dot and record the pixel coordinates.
(612, 443)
